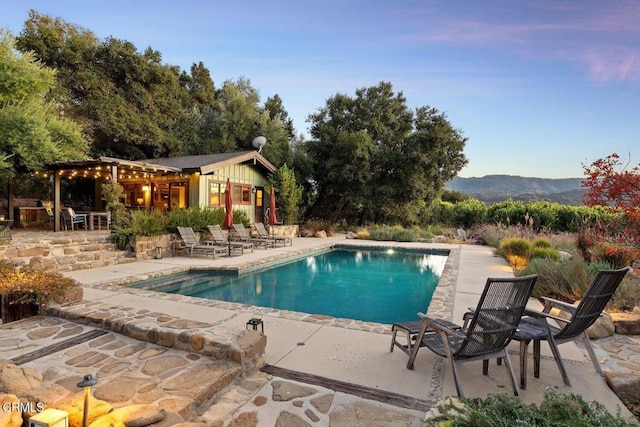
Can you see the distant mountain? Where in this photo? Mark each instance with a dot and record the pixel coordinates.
(497, 188)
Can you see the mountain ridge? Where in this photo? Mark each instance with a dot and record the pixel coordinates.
(496, 188)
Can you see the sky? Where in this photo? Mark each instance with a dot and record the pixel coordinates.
(540, 88)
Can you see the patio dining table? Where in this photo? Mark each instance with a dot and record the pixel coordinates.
(92, 216)
(96, 216)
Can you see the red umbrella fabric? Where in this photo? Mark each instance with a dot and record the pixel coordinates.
(272, 207)
(228, 206)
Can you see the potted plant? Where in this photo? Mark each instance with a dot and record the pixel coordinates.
(24, 289)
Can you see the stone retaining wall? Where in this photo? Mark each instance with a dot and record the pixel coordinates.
(65, 253)
(145, 248)
(285, 230)
(245, 347)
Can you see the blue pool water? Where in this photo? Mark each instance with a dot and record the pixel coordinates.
(383, 286)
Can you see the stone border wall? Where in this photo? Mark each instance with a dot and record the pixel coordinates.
(146, 248)
(65, 253)
(245, 347)
(285, 230)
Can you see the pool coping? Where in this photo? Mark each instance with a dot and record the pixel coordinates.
(441, 304)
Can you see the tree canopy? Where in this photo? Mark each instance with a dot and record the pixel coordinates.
(33, 129)
(133, 106)
(370, 157)
(375, 160)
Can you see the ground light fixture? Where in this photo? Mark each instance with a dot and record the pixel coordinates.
(50, 417)
(254, 322)
(87, 382)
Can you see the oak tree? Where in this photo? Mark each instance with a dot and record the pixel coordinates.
(33, 129)
(376, 160)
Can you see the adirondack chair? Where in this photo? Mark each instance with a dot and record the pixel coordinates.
(535, 326)
(487, 330)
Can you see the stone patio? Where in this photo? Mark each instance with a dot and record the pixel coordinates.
(192, 357)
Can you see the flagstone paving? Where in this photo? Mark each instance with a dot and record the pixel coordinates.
(186, 380)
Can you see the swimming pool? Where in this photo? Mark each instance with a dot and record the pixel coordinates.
(373, 285)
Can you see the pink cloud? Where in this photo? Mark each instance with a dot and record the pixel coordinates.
(613, 66)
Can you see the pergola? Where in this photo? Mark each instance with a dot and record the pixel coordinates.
(101, 168)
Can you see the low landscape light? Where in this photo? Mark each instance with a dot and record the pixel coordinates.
(87, 382)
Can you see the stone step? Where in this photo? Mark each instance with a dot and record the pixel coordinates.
(66, 252)
(129, 371)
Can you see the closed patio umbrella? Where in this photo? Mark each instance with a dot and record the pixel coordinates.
(228, 217)
(272, 208)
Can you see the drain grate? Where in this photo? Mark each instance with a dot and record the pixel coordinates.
(62, 345)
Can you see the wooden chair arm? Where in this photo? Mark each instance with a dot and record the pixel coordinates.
(542, 315)
(435, 325)
(550, 303)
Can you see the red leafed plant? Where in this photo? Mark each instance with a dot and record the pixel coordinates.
(610, 182)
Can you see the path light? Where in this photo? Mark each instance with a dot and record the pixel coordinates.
(254, 322)
(87, 382)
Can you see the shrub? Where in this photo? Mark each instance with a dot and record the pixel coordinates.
(395, 233)
(112, 193)
(312, 227)
(517, 251)
(556, 409)
(138, 223)
(594, 267)
(489, 234)
(438, 212)
(508, 212)
(290, 194)
(563, 241)
(617, 256)
(468, 213)
(383, 232)
(551, 253)
(563, 280)
(492, 235)
(585, 241)
(362, 233)
(406, 235)
(36, 284)
(155, 223)
(627, 295)
(541, 242)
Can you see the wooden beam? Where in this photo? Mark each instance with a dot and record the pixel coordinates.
(364, 392)
(57, 205)
(59, 346)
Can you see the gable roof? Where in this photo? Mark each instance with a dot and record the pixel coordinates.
(208, 163)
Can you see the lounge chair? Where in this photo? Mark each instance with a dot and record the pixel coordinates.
(264, 234)
(220, 239)
(192, 245)
(487, 330)
(535, 327)
(242, 235)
